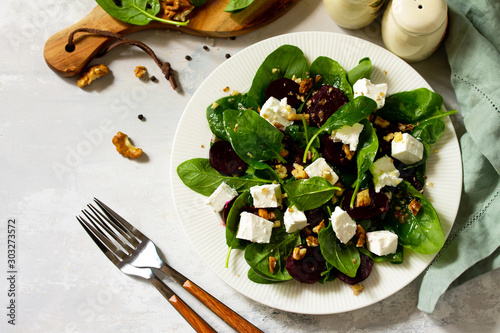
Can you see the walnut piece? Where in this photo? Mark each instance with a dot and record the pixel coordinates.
(298, 171)
(272, 264)
(305, 86)
(176, 10)
(265, 214)
(124, 147)
(414, 206)
(320, 226)
(357, 289)
(381, 122)
(299, 253)
(91, 74)
(361, 235)
(140, 71)
(312, 241)
(363, 198)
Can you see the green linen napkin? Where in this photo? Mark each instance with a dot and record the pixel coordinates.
(473, 48)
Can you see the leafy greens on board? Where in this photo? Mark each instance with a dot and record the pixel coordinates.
(257, 142)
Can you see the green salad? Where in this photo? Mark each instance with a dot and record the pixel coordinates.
(318, 173)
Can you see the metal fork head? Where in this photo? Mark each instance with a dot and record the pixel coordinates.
(121, 242)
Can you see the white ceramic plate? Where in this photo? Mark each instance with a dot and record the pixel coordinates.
(205, 229)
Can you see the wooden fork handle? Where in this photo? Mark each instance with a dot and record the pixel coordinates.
(185, 311)
(237, 322)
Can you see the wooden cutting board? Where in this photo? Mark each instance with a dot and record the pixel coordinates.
(208, 20)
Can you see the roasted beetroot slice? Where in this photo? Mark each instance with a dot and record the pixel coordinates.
(379, 204)
(227, 209)
(315, 216)
(224, 159)
(333, 153)
(295, 153)
(284, 87)
(364, 270)
(324, 103)
(308, 269)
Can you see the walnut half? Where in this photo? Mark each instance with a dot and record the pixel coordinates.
(92, 74)
(124, 147)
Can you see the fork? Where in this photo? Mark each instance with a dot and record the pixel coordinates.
(138, 251)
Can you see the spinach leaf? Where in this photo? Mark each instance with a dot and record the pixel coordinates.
(395, 258)
(332, 74)
(254, 277)
(233, 221)
(367, 150)
(138, 12)
(199, 176)
(422, 232)
(281, 245)
(198, 3)
(253, 138)
(236, 5)
(411, 107)
(310, 193)
(216, 110)
(343, 257)
(286, 61)
(348, 114)
(362, 70)
(429, 131)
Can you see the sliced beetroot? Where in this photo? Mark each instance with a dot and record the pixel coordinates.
(324, 103)
(295, 153)
(224, 159)
(378, 205)
(334, 153)
(364, 270)
(284, 88)
(227, 208)
(308, 269)
(409, 174)
(315, 216)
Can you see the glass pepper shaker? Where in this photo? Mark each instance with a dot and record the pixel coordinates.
(353, 14)
(413, 29)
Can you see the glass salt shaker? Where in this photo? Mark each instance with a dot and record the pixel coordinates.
(353, 14)
(413, 29)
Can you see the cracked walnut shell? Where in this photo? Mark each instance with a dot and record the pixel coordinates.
(124, 147)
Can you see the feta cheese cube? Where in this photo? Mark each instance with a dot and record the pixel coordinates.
(276, 112)
(377, 92)
(266, 196)
(381, 242)
(343, 225)
(220, 196)
(254, 228)
(384, 173)
(320, 168)
(348, 135)
(294, 219)
(406, 148)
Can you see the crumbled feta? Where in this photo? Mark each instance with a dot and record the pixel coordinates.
(294, 219)
(384, 173)
(377, 92)
(266, 196)
(381, 242)
(348, 135)
(254, 228)
(276, 112)
(343, 225)
(320, 168)
(220, 196)
(406, 148)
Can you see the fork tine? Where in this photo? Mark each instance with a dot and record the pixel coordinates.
(112, 229)
(100, 241)
(125, 225)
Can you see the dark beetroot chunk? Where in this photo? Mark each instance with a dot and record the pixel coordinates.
(334, 153)
(308, 269)
(284, 88)
(224, 159)
(315, 216)
(364, 270)
(295, 153)
(379, 204)
(324, 103)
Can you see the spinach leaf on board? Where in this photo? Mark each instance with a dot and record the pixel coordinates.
(411, 107)
(237, 5)
(280, 246)
(367, 150)
(343, 257)
(362, 70)
(233, 221)
(286, 61)
(309, 193)
(199, 176)
(137, 12)
(332, 74)
(348, 114)
(216, 110)
(253, 138)
(422, 232)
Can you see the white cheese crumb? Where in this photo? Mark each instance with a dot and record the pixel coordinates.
(266, 196)
(377, 92)
(381, 242)
(384, 173)
(408, 150)
(348, 135)
(294, 219)
(221, 196)
(343, 225)
(320, 168)
(276, 112)
(254, 228)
